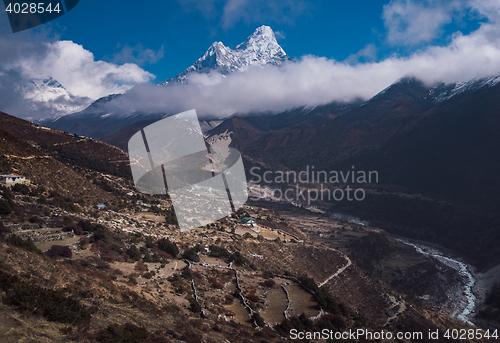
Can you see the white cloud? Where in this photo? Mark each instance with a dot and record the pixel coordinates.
(317, 80)
(137, 54)
(368, 53)
(25, 57)
(231, 12)
(77, 70)
(310, 81)
(410, 22)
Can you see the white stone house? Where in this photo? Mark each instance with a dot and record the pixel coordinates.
(12, 179)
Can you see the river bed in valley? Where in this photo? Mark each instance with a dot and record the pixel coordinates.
(463, 295)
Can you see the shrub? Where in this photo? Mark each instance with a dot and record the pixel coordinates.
(191, 255)
(59, 250)
(140, 266)
(23, 244)
(134, 253)
(194, 306)
(322, 296)
(86, 225)
(229, 299)
(239, 259)
(258, 319)
(269, 283)
(5, 207)
(170, 217)
(101, 233)
(72, 226)
(267, 274)
(217, 251)
(253, 297)
(168, 246)
(125, 333)
(53, 305)
(103, 265)
(187, 273)
(20, 188)
(132, 280)
(84, 241)
(149, 242)
(7, 193)
(148, 258)
(3, 228)
(217, 285)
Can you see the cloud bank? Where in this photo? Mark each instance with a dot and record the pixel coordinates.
(309, 81)
(316, 80)
(26, 56)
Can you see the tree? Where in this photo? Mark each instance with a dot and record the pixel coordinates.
(59, 250)
(101, 233)
(5, 207)
(170, 217)
(168, 246)
(239, 259)
(149, 242)
(191, 255)
(4, 229)
(258, 319)
(134, 253)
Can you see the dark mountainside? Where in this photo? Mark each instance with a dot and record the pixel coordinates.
(96, 121)
(446, 151)
(125, 277)
(45, 163)
(121, 137)
(67, 147)
(421, 140)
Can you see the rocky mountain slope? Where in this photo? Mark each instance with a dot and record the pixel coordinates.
(438, 145)
(51, 158)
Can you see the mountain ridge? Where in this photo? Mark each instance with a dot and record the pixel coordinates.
(260, 48)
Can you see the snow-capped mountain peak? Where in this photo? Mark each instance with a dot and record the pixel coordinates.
(44, 90)
(50, 94)
(260, 48)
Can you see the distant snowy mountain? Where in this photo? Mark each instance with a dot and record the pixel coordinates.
(261, 48)
(100, 120)
(442, 91)
(51, 95)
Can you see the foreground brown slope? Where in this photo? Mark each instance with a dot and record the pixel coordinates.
(68, 148)
(43, 170)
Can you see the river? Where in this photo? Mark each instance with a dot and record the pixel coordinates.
(464, 270)
(465, 294)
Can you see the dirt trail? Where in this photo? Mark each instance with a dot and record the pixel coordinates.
(337, 273)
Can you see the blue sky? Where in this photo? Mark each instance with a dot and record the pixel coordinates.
(185, 29)
(344, 50)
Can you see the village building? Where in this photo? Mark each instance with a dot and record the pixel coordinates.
(10, 180)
